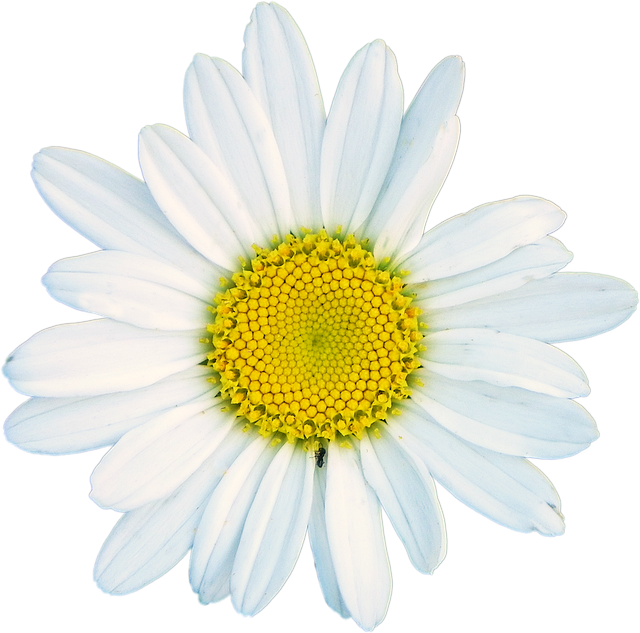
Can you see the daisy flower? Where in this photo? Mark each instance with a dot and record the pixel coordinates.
(283, 348)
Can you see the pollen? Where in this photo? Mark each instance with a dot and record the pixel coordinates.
(313, 340)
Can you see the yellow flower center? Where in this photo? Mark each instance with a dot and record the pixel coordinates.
(313, 339)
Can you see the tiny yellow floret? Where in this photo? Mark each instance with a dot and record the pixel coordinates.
(312, 340)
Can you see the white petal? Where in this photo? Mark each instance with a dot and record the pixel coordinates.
(70, 425)
(505, 419)
(196, 197)
(320, 546)
(403, 227)
(274, 530)
(132, 289)
(149, 541)
(360, 137)
(152, 460)
(278, 67)
(218, 536)
(503, 360)
(112, 209)
(356, 539)
(408, 495)
(226, 121)
(481, 236)
(563, 307)
(96, 357)
(424, 153)
(508, 490)
(534, 261)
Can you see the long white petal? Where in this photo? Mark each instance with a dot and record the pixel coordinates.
(196, 196)
(563, 307)
(218, 536)
(97, 357)
(480, 236)
(152, 460)
(505, 419)
(149, 541)
(278, 67)
(360, 137)
(534, 261)
(274, 531)
(70, 425)
(131, 288)
(508, 490)
(404, 226)
(503, 360)
(113, 209)
(356, 539)
(226, 121)
(320, 546)
(426, 146)
(407, 494)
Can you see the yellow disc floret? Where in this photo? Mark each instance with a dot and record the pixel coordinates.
(313, 338)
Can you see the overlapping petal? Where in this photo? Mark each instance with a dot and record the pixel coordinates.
(480, 237)
(503, 360)
(320, 547)
(219, 533)
(274, 531)
(356, 539)
(70, 425)
(426, 146)
(98, 357)
(278, 67)
(226, 121)
(130, 288)
(408, 495)
(508, 420)
(562, 307)
(534, 261)
(360, 137)
(196, 196)
(152, 460)
(112, 209)
(509, 490)
(148, 541)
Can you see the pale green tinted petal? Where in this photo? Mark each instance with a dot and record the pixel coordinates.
(113, 209)
(360, 137)
(226, 121)
(132, 289)
(534, 261)
(149, 541)
(508, 490)
(152, 460)
(320, 546)
(278, 67)
(61, 361)
(480, 237)
(563, 307)
(407, 494)
(356, 539)
(505, 419)
(503, 360)
(70, 425)
(197, 198)
(274, 531)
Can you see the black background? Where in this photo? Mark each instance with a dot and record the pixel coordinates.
(540, 115)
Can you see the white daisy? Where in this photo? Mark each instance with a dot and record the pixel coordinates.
(284, 348)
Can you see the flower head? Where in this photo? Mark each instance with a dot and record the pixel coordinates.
(283, 346)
